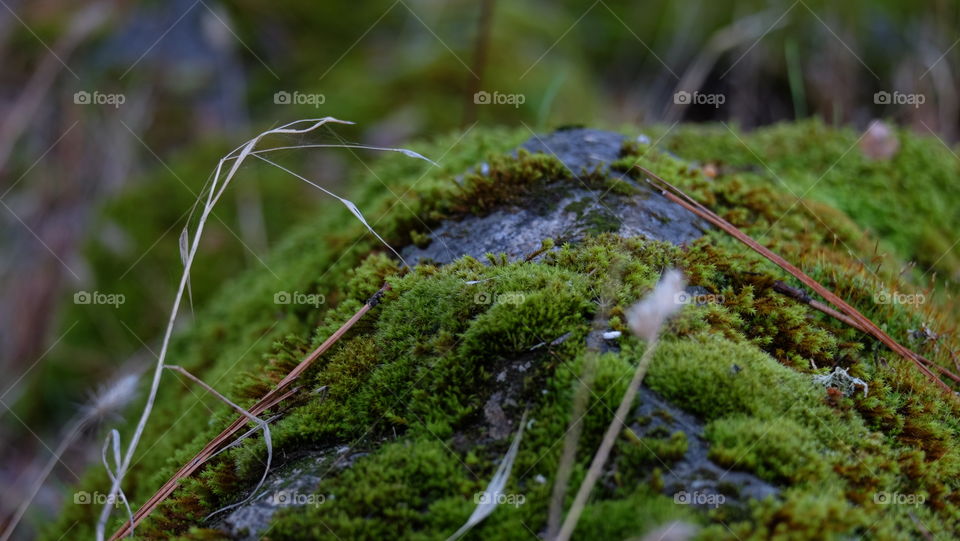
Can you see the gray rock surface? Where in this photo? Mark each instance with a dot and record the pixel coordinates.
(695, 479)
(293, 484)
(517, 230)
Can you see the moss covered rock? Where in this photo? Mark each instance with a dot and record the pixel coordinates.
(399, 427)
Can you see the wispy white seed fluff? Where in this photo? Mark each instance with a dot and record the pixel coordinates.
(646, 317)
(112, 397)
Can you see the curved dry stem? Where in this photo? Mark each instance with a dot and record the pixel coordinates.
(213, 191)
(261, 424)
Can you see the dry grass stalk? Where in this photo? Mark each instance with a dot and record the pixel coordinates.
(104, 403)
(581, 399)
(274, 397)
(495, 487)
(263, 425)
(645, 319)
(212, 193)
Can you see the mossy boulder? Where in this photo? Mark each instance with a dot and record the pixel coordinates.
(402, 423)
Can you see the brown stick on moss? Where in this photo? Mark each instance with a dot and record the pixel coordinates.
(678, 196)
(805, 298)
(272, 398)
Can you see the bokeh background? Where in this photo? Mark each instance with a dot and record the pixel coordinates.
(114, 113)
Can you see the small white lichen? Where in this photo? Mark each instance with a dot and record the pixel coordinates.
(841, 380)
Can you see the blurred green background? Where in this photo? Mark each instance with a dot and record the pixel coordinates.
(95, 194)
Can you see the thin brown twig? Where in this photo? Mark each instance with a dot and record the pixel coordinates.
(803, 297)
(272, 398)
(678, 196)
(261, 424)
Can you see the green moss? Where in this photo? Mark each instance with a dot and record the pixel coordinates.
(823, 164)
(393, 495)
(649, 451)
(779, 450)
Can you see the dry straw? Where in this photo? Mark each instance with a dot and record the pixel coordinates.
(225, 172)
(645, 319)
(494, 492)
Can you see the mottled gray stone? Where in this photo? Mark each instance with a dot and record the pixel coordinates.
(695, 473)
(517, 230)
(293, 484)
(565, 216)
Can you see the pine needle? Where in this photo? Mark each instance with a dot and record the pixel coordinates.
(215, 446)
(263, 425)
(678, 196)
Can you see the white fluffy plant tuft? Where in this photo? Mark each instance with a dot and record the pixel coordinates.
(106, 402)
(646, 317)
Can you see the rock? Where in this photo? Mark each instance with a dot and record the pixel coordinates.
(518, 230)
(579, 149)
(695, 478)
(293, 484)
